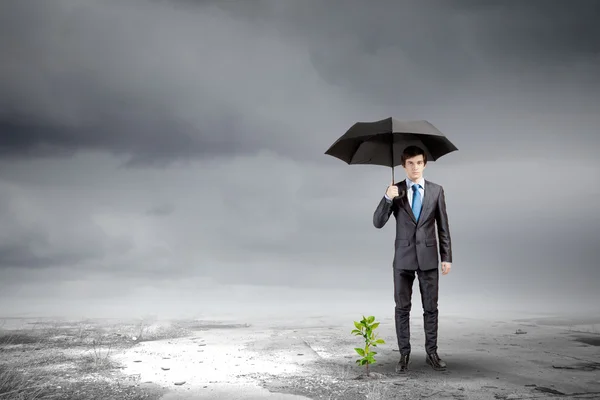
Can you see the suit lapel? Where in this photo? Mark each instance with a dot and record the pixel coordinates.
(429, 198)
(404, 201)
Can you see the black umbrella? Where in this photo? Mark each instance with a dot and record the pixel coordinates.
(382, 142)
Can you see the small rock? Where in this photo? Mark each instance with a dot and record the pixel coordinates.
(179, 383)
(165, 368)
(520, 332)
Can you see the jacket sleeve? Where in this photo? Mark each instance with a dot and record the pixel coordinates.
(382, 213)
(443, 228)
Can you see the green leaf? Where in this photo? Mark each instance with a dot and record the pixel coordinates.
(380, 341)
(370, 319)
(375, 326)
(363, 361)
(358, 326)
(361, 352)
(356, 332)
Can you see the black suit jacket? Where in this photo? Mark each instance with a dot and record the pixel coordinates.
(416, 243)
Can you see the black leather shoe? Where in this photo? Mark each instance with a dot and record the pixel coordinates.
(402, 366)
(435, 362)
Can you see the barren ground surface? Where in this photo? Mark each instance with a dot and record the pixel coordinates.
(311, 358)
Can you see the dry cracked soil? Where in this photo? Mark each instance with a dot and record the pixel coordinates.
(307, 358)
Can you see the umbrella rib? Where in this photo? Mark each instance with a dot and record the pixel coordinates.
(356, 147)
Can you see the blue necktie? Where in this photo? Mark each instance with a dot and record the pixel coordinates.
(416, 201)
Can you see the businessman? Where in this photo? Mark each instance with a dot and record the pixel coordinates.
(418, 205)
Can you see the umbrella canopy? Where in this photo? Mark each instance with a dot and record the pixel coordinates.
(382, 142)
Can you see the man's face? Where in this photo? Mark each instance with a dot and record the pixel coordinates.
(414, 167)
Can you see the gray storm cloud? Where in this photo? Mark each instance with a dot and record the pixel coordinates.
(225, 110)
(153, 80)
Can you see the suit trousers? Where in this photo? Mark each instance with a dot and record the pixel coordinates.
(428, 286)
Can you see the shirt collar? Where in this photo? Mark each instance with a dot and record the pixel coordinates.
(409, 183)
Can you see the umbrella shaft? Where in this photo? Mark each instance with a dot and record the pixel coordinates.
(392, 149)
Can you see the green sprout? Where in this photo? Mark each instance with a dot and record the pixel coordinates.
(366, 328)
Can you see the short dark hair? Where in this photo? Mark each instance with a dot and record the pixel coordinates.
(413, 151)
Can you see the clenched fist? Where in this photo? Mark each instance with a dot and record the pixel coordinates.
(392, 191)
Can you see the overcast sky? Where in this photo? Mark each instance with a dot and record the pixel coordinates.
(171, 153)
